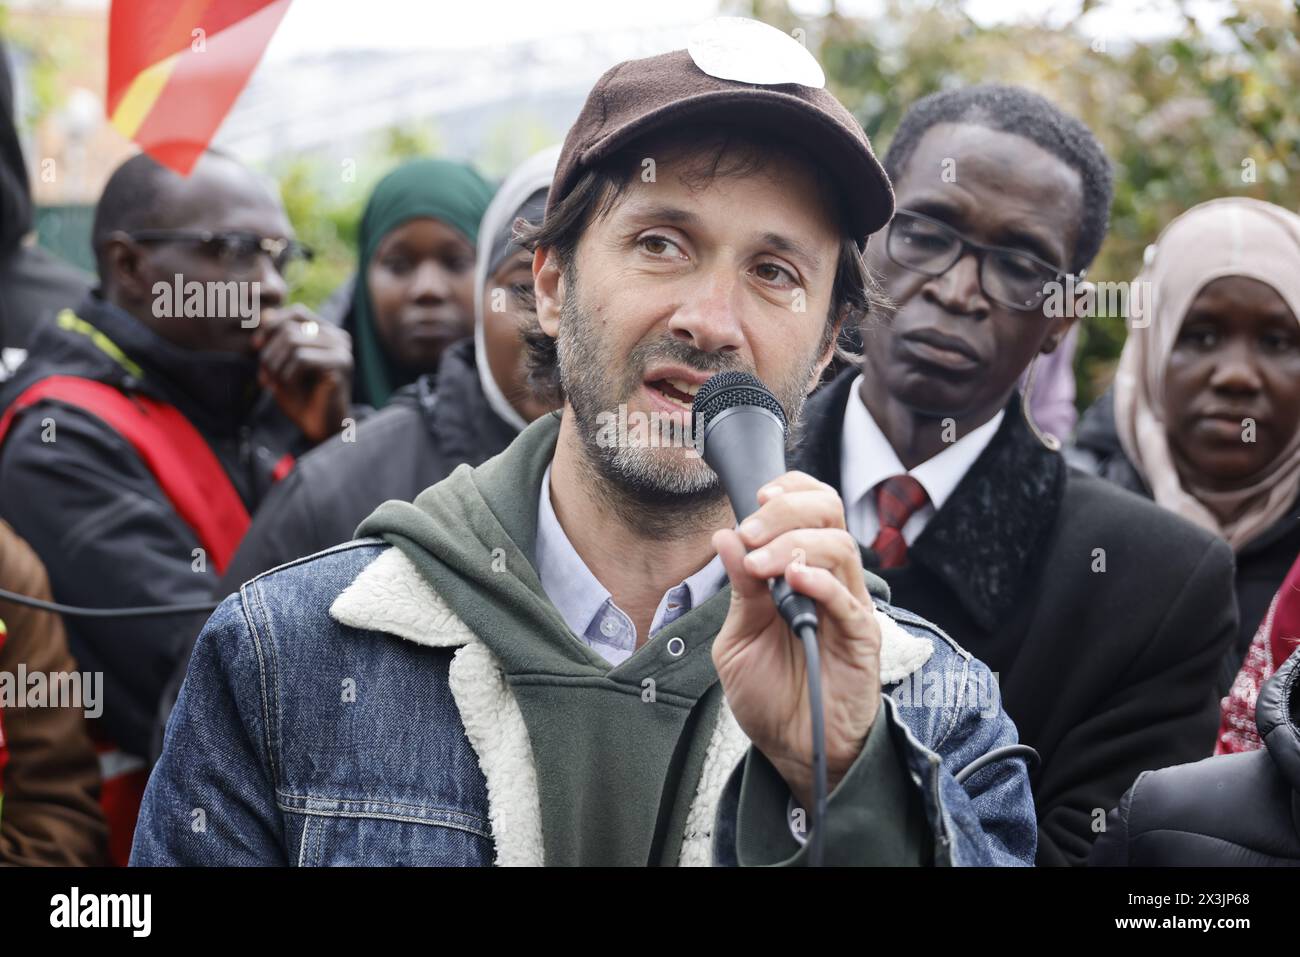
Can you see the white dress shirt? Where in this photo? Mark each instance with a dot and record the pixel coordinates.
(586, 605)
(867, 459)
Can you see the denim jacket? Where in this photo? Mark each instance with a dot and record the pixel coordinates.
(336, 712)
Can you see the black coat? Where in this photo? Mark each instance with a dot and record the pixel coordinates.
(1261, 565)
(1106, 673)
(101, 524)
(1234, 810)
(35, 285)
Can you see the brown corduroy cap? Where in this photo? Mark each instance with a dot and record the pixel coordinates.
(637, 97)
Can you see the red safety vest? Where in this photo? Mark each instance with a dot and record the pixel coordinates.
(198, 487)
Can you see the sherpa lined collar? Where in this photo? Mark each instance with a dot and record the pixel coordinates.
(391, 596)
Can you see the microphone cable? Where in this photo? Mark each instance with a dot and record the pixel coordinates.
(812, 661)
(1024, 751)
(141, 611)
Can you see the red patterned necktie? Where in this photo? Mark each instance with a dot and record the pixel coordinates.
(897, 499)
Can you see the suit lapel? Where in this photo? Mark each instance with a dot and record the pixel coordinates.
(983, 544)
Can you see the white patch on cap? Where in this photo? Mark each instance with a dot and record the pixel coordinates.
(747, 51)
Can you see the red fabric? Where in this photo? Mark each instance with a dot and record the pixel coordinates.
(205, 83)
(283, 467)
(1284, 636)
(178, 456)
(1275, 641)
(897, 500)
(120, 796)
(196, 484)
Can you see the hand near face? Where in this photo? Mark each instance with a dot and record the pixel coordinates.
(800, 533)
(307, 365)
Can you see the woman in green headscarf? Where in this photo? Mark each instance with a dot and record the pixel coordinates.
(414, 291)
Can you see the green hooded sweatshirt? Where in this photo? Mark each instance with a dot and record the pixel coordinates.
(618, 751)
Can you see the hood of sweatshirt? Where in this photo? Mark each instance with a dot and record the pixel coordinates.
(615, 749)
(618, 752)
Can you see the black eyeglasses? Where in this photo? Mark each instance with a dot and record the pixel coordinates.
(237, 250)
(1009, 277)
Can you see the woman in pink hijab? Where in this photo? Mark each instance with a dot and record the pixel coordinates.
(1206, 402)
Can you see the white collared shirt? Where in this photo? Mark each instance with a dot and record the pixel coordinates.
(586, 605)
(867, 459)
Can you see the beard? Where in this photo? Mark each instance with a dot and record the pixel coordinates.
(638, 479)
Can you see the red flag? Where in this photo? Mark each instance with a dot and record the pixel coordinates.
(175, 67)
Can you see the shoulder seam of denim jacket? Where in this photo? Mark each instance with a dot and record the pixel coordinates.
(912, 618)
(272, 726)
(341, 547)
(957, 709)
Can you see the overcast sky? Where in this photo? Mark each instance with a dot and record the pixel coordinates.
(313, 26)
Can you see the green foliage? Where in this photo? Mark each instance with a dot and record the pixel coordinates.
(45, 53)
(326, 223)
(1185, 119)
(510, 141)
(325, 198)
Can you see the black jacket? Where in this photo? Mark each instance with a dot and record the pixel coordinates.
(1234, 810)
(1106, 673)
(101, 524)
(428, 429)
(1261, 565)
(35, 285)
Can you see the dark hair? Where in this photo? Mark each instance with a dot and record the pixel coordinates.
(1011, 109)
(135, 197)
(596, 192)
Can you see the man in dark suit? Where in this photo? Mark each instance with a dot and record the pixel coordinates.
(1103, 616)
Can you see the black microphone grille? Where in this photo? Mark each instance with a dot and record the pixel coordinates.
(726, 390)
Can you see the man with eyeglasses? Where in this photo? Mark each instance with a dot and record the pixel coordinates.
(138, 437)
(1103, 617)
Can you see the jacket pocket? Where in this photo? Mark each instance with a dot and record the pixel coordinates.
(373, 833)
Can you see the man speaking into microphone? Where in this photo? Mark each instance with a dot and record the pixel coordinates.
(570, 655)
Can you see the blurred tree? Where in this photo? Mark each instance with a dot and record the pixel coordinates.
(325, 198)
(510, 141)
(325, 219)
(1199, 114)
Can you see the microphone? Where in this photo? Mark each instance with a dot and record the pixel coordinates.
(744, 432)
(743, 429)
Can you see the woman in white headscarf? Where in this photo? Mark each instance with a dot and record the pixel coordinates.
(1206, 404)
(503, 277)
